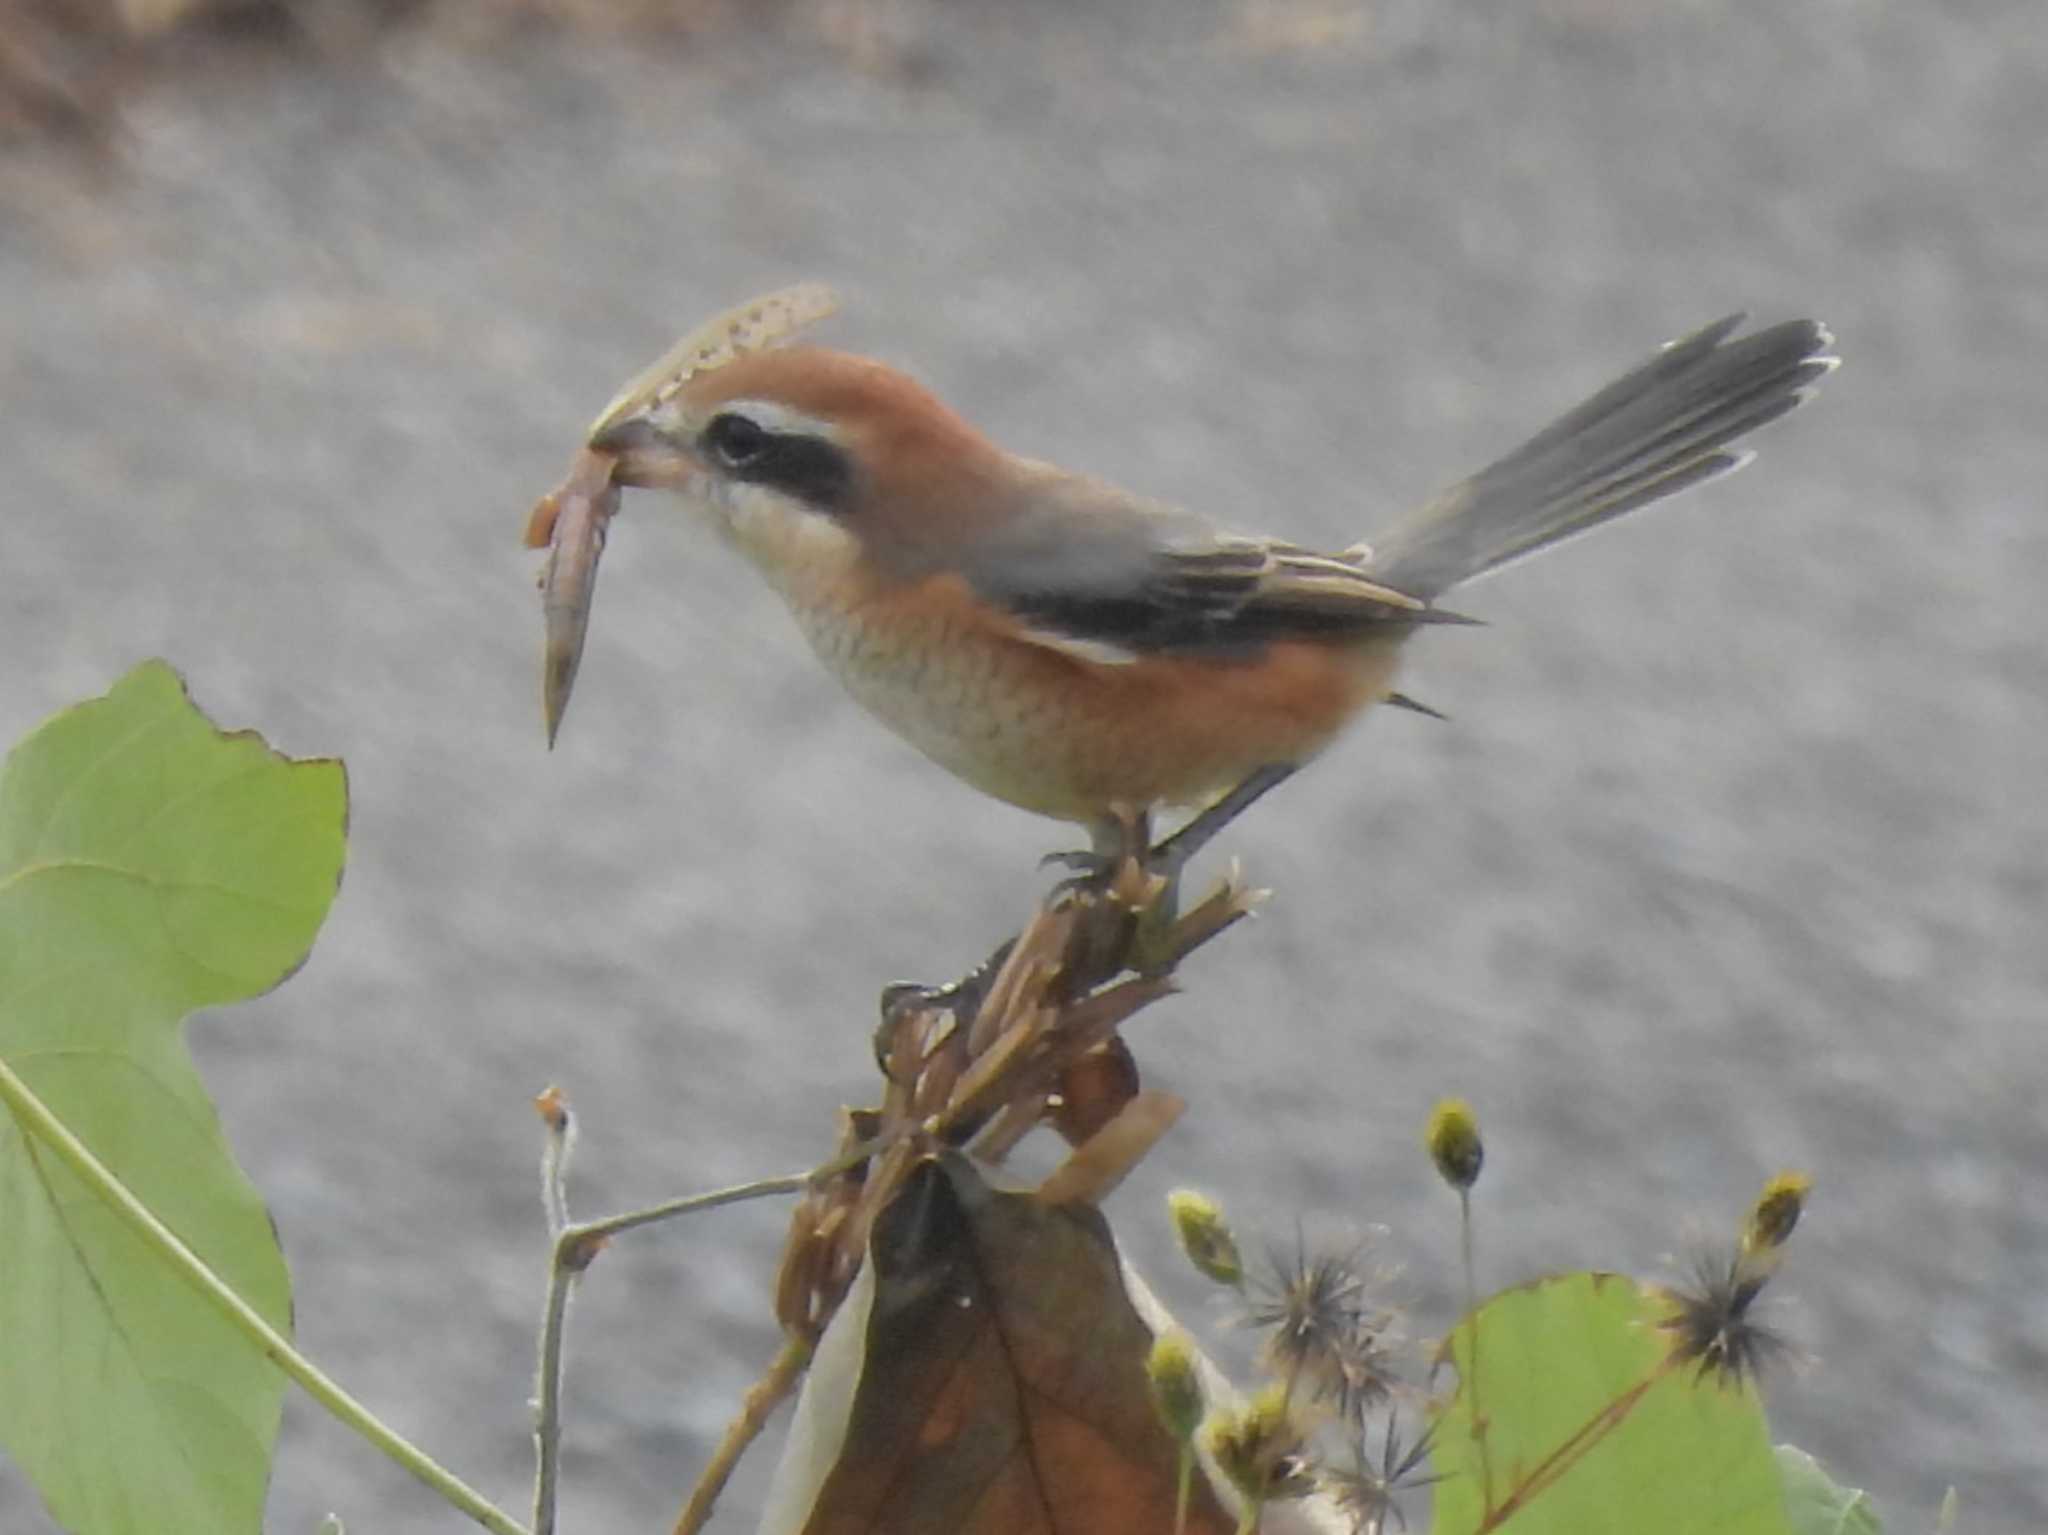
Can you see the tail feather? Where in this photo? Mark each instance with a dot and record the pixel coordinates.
(1653, 432)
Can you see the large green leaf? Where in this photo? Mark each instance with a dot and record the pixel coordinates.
(1817, 1504)
(1569, 1422)
(149, 865)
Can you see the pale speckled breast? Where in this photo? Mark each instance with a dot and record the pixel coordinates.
(1068, 737)
(929, 678)
(953, 694)
(1036, 726)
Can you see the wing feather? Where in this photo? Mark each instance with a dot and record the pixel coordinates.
(1095, 572)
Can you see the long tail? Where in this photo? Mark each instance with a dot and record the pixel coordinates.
(1653, 432)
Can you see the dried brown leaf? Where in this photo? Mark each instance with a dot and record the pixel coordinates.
(1105, 1158)
(1001, 1388)
(1093, 1089)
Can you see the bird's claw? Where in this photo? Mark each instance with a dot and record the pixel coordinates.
(1122, 837)
(1143, 877)
(1086, 863)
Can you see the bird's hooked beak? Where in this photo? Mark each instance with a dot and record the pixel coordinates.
(649, 446)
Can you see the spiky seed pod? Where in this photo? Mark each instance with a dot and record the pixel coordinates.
(1367, 1374)
(1709, 1326)
(1708, 1321)
(1324, 1331)
(1368, 1491)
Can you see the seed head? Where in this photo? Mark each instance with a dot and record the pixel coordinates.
(1367, 1491)
(1708, 1323)
(1324, 1331)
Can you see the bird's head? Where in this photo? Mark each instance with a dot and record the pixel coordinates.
(800, 450)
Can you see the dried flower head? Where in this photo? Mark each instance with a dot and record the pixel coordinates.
(1453, 1142)
(1324, 1330)
(1367, 1372)
(1366, 1492)
(1205, 1236)
(1708, 1321)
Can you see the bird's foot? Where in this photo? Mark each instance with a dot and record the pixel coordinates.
(1124, 865)
(1135, 922)
(1121, 838)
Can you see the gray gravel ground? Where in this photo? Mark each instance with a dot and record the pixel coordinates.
(1730, 859)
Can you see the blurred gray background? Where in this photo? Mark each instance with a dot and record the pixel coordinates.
(1730, 858)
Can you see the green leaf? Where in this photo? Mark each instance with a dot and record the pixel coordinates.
(149, 865)
(1570, 1422)
(1818, 1506)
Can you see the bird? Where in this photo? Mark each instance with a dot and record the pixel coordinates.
(1089, 654)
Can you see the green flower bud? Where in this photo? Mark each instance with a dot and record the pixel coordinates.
(1176, 1384)
(1776, 1212)
(1453, 1142)
(1205, 1237)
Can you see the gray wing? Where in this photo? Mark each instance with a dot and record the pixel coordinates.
(1092, 565)
(1664, 426)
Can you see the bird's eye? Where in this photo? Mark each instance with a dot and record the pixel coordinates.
(785, 458)
(735, 440)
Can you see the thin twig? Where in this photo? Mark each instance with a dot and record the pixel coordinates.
(553, 1108)
(547, 1426)
(1480, 1427)
(576, 1245)
(756, 1408)
(577, 1239)
(586, 1232)
(547, 1402)
(575, 1248)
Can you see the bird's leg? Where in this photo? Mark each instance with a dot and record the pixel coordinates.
(1124, 833)
(1174, 854)
(1122, 863)
(1156, 946)
(1118, 839)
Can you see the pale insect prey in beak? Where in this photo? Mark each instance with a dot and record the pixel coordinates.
(570, 522)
